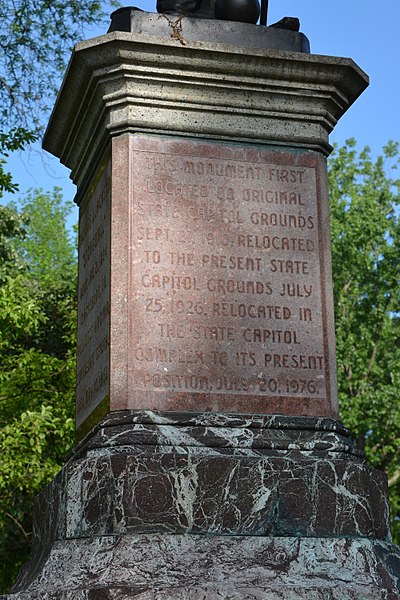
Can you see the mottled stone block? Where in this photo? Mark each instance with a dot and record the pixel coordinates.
(225, 495)
(216, 477)
(292, 483)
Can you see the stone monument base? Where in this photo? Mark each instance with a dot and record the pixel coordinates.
(207, 506)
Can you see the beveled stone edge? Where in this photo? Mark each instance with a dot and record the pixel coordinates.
(202, 426)
(332, 84)
(211, 419)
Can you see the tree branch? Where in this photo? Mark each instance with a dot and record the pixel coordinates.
(18, 524)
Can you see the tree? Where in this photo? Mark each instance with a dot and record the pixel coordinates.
(36, 39)
(37, 353)
(365, 227)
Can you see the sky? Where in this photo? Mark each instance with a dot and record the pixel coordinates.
(366, 31)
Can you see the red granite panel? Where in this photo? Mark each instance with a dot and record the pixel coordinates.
(228, 279)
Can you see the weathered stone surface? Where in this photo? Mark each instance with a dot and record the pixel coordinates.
(231, 310)
(189, 505)
(93, 343)
(158, 476)
(209, 567)
(227, 495)
(199, 432)
(217, 593)
(215, 291)
(221, 32)
(130, 348)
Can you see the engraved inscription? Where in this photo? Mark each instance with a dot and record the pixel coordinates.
(226, 273)
(92, 383)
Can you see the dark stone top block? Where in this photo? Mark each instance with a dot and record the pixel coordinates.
(186, 29)
(222, 433)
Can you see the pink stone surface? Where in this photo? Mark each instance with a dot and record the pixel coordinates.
(228, 279)
(217, 276)
(93, 354)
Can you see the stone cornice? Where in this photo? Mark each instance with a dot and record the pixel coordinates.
(126, 82)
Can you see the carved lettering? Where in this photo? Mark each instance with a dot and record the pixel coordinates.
(276, 336)
(167, 355)
(226, 250)
(161, 162)
(170, 188)
(181, 259)
(296, 290)
(241, 263)
(299, 267)
(93, 299)
(275, 242)
(254, 311)
(284, 220)
(175, 381)
(273, 197)
(222, 169)
(232, 286)
(169, 282)
(294, 361)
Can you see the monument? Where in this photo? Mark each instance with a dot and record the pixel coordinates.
(209, 461)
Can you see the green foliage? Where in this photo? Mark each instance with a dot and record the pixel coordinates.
(16, 138)
(37, 269)
(36, 39)
(11, 230)
(27, 446)
(365, 229)
(37, 353)
(49, 252)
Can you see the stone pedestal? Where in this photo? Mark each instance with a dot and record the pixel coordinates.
(210, 461)
(165, 505)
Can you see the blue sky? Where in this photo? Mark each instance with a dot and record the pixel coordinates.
(366, 31)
